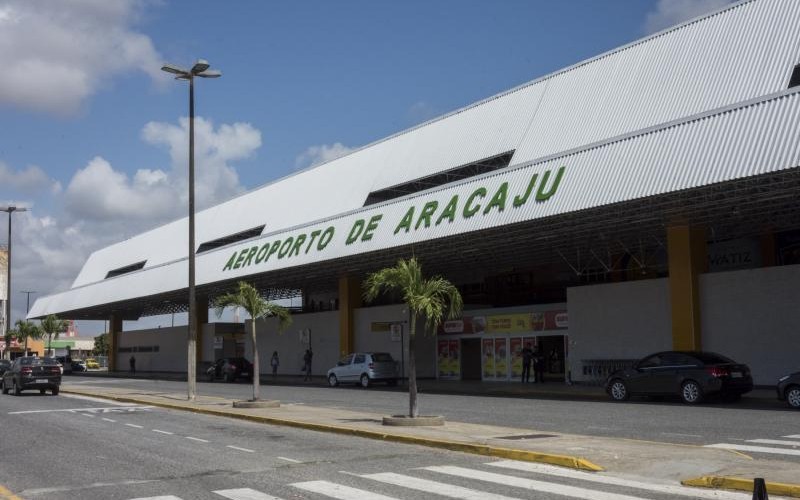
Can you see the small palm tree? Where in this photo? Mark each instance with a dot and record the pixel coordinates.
(26, 330)
(248, 298)
(52, 327)
(429, 298)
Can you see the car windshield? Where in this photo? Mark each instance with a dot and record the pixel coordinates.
(379, 357)
(38, 362)
(710, 358)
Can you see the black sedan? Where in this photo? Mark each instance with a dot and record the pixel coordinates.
(32, 373)
(691, 375)
(4, 365)
(229, 369)
(789, 389)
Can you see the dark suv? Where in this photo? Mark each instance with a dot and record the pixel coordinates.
(229, 369)
(692, 375)
(32, 373)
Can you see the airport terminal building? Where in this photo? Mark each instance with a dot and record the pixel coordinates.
(645, 199)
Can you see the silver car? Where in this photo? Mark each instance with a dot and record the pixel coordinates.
(364, 368)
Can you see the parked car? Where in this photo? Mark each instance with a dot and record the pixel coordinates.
(32, 373)
(65, 363)
(691, 375)
(229, 369)
(92, 364)
(5, 364)
(364, 368)
(78, 365)
(789, 389)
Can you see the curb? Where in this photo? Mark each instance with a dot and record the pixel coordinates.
(477, 449)
(737, 483)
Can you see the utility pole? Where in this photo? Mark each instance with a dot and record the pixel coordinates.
(28, 301)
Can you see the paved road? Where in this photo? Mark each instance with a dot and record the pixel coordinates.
(62, 447)
(673, 422)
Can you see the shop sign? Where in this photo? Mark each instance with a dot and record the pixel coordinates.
(218, 342)
(467, 324)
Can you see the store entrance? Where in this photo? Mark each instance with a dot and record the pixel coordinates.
(470, 359)
(552, 348)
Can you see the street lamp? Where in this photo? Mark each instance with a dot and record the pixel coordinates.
(10, 210)
(200, 69)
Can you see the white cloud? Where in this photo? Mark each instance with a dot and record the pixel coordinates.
(29, 180)
(671, 12)
(317, 155)
(56, 54)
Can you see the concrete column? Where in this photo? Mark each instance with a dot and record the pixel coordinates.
(114, 328)
(201, 317)
(687, 253)
(349, 300)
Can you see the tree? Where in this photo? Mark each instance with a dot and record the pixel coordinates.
(52, 326)
(248, 298)
(25, 330)
(101, 345)
(427, 298)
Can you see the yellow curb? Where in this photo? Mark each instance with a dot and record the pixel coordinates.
(6, 494)
(479, 449)
(736, 483)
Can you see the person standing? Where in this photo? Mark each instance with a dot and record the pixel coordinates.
(527, 358)
(132, 362)
(307, 358)
(274, 362)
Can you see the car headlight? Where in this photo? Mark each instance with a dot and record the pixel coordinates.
(783, 378)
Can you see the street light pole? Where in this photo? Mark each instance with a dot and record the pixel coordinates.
(10, 210)
(200, 69)
(27, 310)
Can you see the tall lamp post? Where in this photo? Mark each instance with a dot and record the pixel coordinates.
(201, 69)
(10, 210)
(27, 310)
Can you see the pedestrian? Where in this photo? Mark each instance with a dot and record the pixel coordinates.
(307, 357)
(274, 362)
(538, 365)
(527, 358)
(132, 362)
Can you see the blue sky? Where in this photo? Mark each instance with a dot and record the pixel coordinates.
(94, 137)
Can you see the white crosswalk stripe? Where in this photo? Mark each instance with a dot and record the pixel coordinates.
(755, 449)
(793, 436)
(245, 494)
(530, 484)
(163, 497)
(667, 489)
(779, 442)
(443, 489)
(339, 491)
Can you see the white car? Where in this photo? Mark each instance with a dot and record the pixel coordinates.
(364, 368)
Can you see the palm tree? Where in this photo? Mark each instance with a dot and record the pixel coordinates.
(25, 330)
(429, 298)
(52, 326)
(248, 298)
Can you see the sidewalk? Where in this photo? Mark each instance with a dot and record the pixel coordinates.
(663, 462)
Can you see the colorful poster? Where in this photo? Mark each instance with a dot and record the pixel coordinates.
(443, 358)
(516, 358)
(509, 323)
(488, 358)
(500, 358)
(455, 361)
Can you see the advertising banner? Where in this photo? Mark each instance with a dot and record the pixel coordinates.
(467, 324)
(455, 359)
(509, 323)
(488, 358)
(443, 358)
(500, 358)
(516, 357)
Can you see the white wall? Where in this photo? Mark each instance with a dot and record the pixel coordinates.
(753, 316)
(367, 340)
(618, 321)
(171, 355)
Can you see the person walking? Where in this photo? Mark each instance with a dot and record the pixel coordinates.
(274, 362)
(527, 358)
(132, 362)
(307, 358)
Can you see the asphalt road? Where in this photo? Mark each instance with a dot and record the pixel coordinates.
(65, 447)
(665, 421)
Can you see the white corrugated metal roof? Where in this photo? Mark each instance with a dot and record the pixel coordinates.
(733, 142)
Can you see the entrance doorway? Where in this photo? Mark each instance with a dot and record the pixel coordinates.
(552, 348)
(470, 359)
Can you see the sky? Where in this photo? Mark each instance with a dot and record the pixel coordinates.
(95, 136)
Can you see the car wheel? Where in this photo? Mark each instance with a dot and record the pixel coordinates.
(17, 390)
(618, 390)
(332, 380)
(364, 381)
(691, 393)
(42, 391)
(55, 391)
(793, 396)
(3, 386)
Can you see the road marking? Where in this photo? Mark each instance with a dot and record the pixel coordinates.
(110, 409)
(334, 490)
(163, 432)
(57, 489)
(793, 436)
(87, 415)
(96, 400)
(245, 494)
(135, 426)
(290, 460)
(530, 484)
(197, 439)
(434, 487)
(774, 441)
(681, 435)
(109, 420)
(757, 449)
(241, 449)
(163, 497)
(551, 470)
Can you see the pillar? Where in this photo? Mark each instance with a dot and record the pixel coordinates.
(687, 256)
(201, 318)
(349, 300)
(768, 251)
(114, 328)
